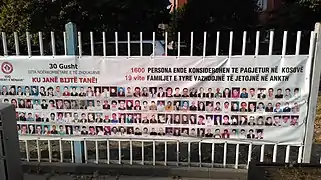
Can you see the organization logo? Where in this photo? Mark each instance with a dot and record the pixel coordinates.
(6, 67)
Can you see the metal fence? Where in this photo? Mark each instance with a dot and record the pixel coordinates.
(201, 153)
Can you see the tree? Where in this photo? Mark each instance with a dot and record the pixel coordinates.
(15, 16)
(94, 15)
(212, 16)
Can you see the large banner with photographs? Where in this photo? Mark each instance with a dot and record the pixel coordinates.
(247, 98)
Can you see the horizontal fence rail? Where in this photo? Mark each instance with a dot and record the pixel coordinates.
(220, 43)
(171, 152)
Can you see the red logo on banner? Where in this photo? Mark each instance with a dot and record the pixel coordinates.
(6, 67)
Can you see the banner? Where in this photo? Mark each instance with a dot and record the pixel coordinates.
(261, 99)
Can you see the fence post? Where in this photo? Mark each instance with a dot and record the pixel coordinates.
(312, 102)
(71, 33)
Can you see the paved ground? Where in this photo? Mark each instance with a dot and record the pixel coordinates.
(66, 177)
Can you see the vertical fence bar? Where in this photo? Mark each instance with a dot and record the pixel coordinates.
(177, 153)
(108, 152)
(28, 43)
(165, 153)
(287, 154)
(189, 153)
(72, 152)
(143, 155)
(166, 43)
(298, 43)
(49, 151)
(249, 156)
(141, 43)
(128, 44)
(271, 43)
(116, 43)
(53, 43)
(27, 151)
(217, 51)
(119, 152)
(237, 151)
(262, 153)
(213, 154)
(153, 45)
(285, 36)
(200, 153)
(131, 152)
(275, 151)
(154, 153)
(4, 44)
(85, 151)
(71, 49)
(16, 43)
(315, 61)
(104, 44)
(92, 46)
(38, 150)
(179, 44)
(230, 45)
(65, 43)
(40, 43)
(79, 44)
(192, 43)
(61, 151)
(97, 152)
(300, 154)
(257, 43)
(204, 44)
(224, 154)
(244, 43)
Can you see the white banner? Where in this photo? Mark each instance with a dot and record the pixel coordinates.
(260, 98)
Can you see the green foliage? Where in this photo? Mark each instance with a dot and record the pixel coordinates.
(89, 15)
(212, 16)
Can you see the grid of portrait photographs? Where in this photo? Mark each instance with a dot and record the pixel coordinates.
(236, 112)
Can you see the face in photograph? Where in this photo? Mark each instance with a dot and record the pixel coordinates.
(34, 90)
(122, 105)
(27, 91)
(296, 92)
(235, 106)
(19, 91)
(57, 91)
(67, 104)
(201, 120)
(137, 92)
(66, 91)
(113, 91)
(39, 130)
(169, 92)
(235, 92)
(129, 92)
(261, 93)
(14, 103)
(121, 91)
(226, 93)
(169, 130)
(226, 120)
(145, 130)
(192, 119)
(12, 90)
(97, 91)
(145, 92)
(252, 107)
(74, 91)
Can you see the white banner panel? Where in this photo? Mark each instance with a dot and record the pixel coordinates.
(260, 98)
